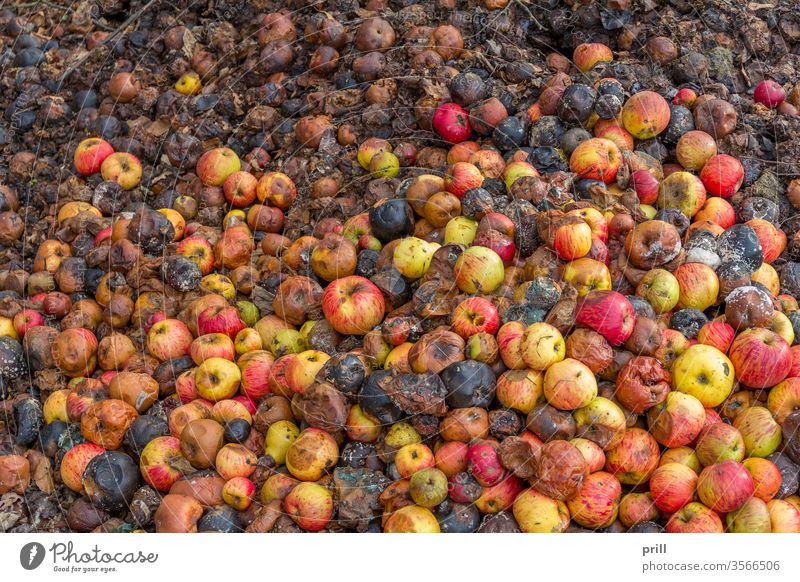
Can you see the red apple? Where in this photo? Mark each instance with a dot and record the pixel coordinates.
(722, 175)
(596, 159)
(572, 241)
(694, 517)
(353, 305)
(162, 463)
(725, 486)
(451, 122)
(462, 176)
(169, 339)
(672, 486)
(769, 93)
(90, 154)
(646, 186)
(214, 166)
(717, 334)
(240, 189)
(220, 319)
(608, 313)
(500, 243)
(26, 319)
(597, 503)
(760, 357)
(255, 367)
(475, 315)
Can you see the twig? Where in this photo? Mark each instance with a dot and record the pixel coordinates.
(133, 17)
(523, 4)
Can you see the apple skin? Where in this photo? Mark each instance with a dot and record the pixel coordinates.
(722, 175)
(637, 507)
(694, 517)
(255, 367)
(510, 343)
(672, 486)
(699, 286)
(122, 168)
(475, 315)
(462, 176)
(766, 477)
(760, 432)
(784, 517)
(761, 358)
(717, 334)
(412, 519)
(645, 114)
(169, 339)
(90, 154)
(353, 305)
(215, 165)
(725, 486)
(784, 399)
(705, 373)
(451, 122)
(572, 241)
(608, 313)
(752, 517)
(310, 506)
(677, 420)
(646, 186)
(596, 159)
(220, 319)
(478, 270)
(26, 319)
(634, 459)
(683, 191)
(537, 513)
(597, 503)
(586, 55)
(162, 463)
(719, 442)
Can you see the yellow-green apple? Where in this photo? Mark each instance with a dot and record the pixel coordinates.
(699, 286)
(90, 154)
(542, 345)
(683, 191)
(537, 513)
(247, 340)
(645, 114)
(428, 487)
(597, 502)
(519, 390)
(123, 168)
(719, 442)
(572, 241)
(601, 421)
(212, 345)
(255, 369)
(694, 517)
(637, 507)
(752, 517)
(783, 516)
(569, 384)
(302, 370)
(310, 506)
(760, 357)
(725, 486)
(215, 165)
(478, 270)
(217, 379)
(760, 432)
(516, 170)
(672, 486)
(475, 315)
(596, 159)
(608, 313)
(684, 455)
(717, 334)
(169, 339)
(460, 230)
(162, 463)
(412, 256)
(634, 458)
(766, 476)
(660, 288)
(677, 421)
(704, 372)
(353, 305)
(313, 454)
(587, 274)
(411, 519)
(694, 148)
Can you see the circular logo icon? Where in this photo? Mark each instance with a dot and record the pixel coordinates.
(31, 555)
